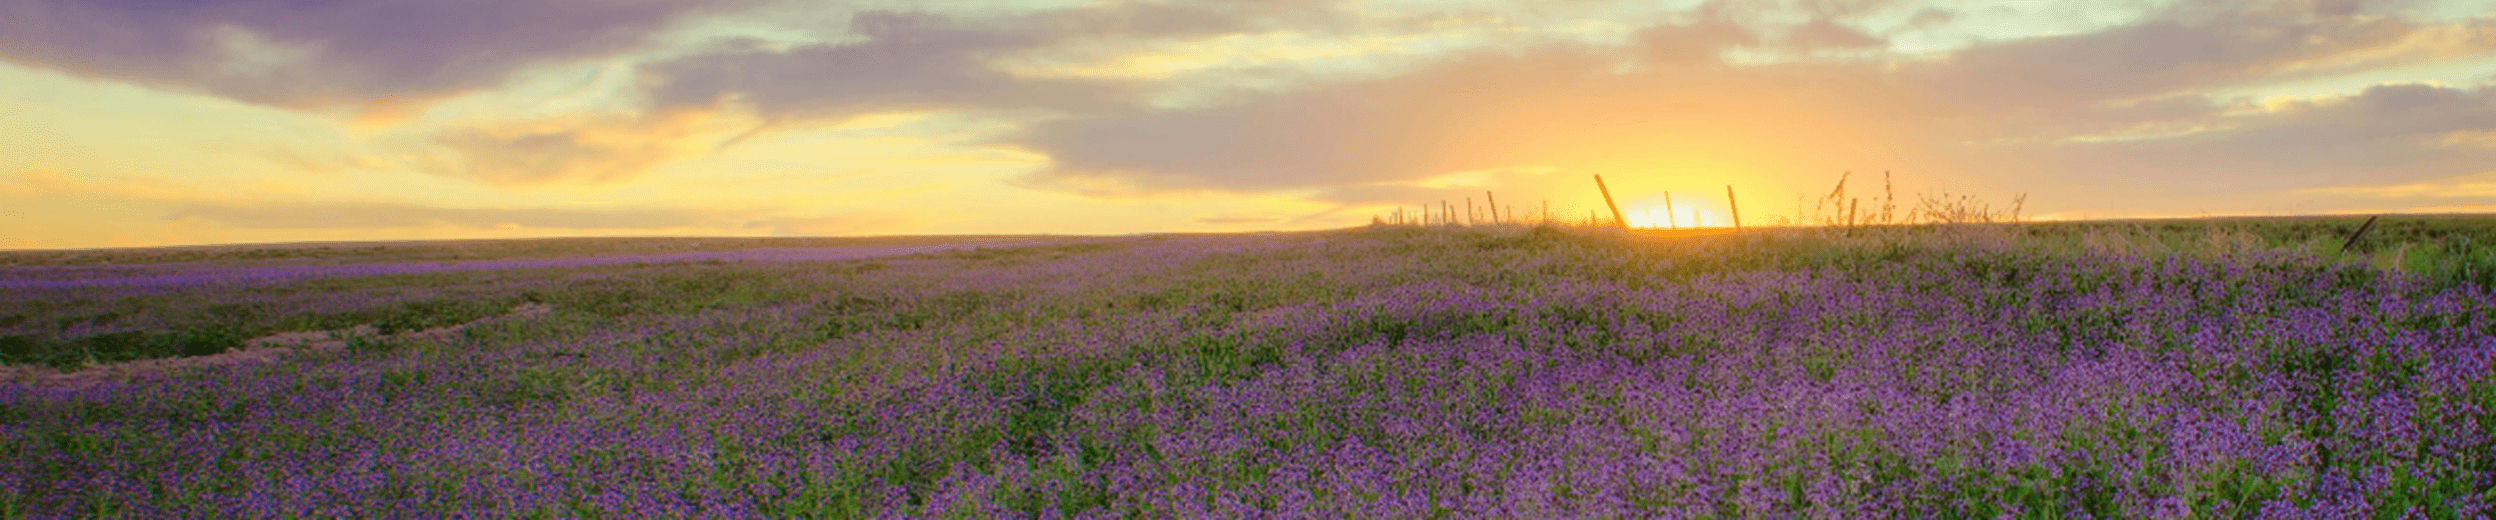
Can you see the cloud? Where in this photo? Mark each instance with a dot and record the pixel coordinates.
(1233, 220)
(2059, 72)
(1399, 129)
(1823, 34)
(1556, 106)
(1156, 19)
(590, 149)
(2396, 99)
(1691, 44)
(923, 61)
(2467, 139)
(1390, 193)
(296, 54)
(2119, 112)
(168, 200)
(2389, 133)
(2169, 56)
(53, 184)
(1930, 17)
(2479, 186)
(320, 161)
(276, 215)
(909, 61)
(2128, 107)
(856, 223)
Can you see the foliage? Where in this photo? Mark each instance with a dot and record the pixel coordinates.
(2013, 369)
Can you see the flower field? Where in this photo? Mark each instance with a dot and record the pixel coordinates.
(1380, 372)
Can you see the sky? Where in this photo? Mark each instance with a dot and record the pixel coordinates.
(171, 122)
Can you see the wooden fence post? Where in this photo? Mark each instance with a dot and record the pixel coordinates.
(2361, 231)
(1669, 219)
(1493, 201)
(1616, 208)
(1851, 205)
(1733, 207)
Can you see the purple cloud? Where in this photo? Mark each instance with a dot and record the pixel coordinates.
(346, 52)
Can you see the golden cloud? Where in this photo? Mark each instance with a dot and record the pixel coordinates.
(48, 183)
(2468, 186)
(2466, 139)
(1225, 52)
(593, 149)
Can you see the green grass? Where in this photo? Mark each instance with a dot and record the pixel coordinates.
(900, 316)
(2441, 250)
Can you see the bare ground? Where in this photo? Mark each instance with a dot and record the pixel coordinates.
(265, 349)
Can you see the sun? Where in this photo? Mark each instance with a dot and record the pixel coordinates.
(1676, 216)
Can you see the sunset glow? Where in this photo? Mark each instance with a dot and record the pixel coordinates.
(253, 120)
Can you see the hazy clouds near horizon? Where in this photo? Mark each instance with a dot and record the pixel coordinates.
(144, 123)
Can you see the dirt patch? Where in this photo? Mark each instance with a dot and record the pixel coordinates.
(264, 349)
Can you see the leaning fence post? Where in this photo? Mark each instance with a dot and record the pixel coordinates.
(2361, 231)
(1733, 207)
(1607, 202)
(1669, 219)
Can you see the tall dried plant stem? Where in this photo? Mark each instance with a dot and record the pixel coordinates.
(1889, 198)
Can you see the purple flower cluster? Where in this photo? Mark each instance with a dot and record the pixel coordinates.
(1449, 374)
